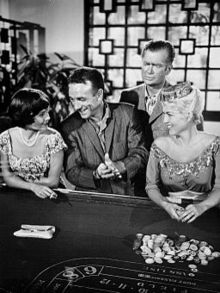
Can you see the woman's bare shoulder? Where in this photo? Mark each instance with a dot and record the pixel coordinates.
(50, 131)
(13, 130)
(163, 142)
(206, 138)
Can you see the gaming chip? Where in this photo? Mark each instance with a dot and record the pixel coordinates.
(158, 239)
(204, 262)
(201, 255)
(210, 258)
(193, 253)
(157, 248)
(158, 260)
(197, 260)
(139, 235)
(145, 249)
(192, 266)
(194, 270)
(207, 251)
(145, 238)
(194, 241)
(171, 252)
(193, 247)
(160, 254)
(216, 254)
(166, 247)
(163, 236)
(185, 245)
(150, 243)
(170, 242)
(168, 256)
(137, 244)
(203, 243)
(182, 238)
(153, 236)
(149, 260)
(182, 254)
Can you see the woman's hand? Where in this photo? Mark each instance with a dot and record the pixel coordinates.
(191, 212)
(43, 191)
(174, 210)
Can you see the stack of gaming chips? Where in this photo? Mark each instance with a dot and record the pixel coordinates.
(159, 248)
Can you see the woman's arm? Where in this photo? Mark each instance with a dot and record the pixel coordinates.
(152, 187)
(193, 211)
(172, 209)
(56, 164)
(15, 181)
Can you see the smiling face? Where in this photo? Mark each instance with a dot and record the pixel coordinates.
(175, 120)
(155, 67)
(85, 100)
(41, 120)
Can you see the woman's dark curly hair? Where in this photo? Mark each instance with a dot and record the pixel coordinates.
(25, 104)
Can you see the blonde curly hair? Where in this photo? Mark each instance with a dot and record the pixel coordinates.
(185, 98)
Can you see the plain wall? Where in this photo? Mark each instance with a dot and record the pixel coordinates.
(212, 127)
(63, 20)
(4, 8)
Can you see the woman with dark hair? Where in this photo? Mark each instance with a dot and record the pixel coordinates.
(185, 165)
(31, 152)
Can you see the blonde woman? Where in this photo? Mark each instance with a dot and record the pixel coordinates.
(31, 152)
(185, 165)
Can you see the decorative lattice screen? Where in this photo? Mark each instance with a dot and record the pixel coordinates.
(117, 29)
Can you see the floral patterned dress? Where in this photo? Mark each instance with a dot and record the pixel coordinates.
(199, 175)
(32, 168)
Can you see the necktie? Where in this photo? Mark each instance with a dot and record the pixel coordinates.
(150, 103)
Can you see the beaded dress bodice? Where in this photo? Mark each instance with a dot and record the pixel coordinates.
(31, 168)
(197, 175)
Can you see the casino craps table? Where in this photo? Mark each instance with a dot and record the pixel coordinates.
(112, 275)
(92, 249)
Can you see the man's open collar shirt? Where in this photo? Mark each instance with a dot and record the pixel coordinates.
(101, 125)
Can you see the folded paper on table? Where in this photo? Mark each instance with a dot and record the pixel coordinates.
(35, 231)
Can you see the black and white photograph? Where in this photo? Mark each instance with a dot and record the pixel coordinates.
(109, 146)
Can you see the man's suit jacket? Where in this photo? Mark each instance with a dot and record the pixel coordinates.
(153, 124)
(124, 142)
